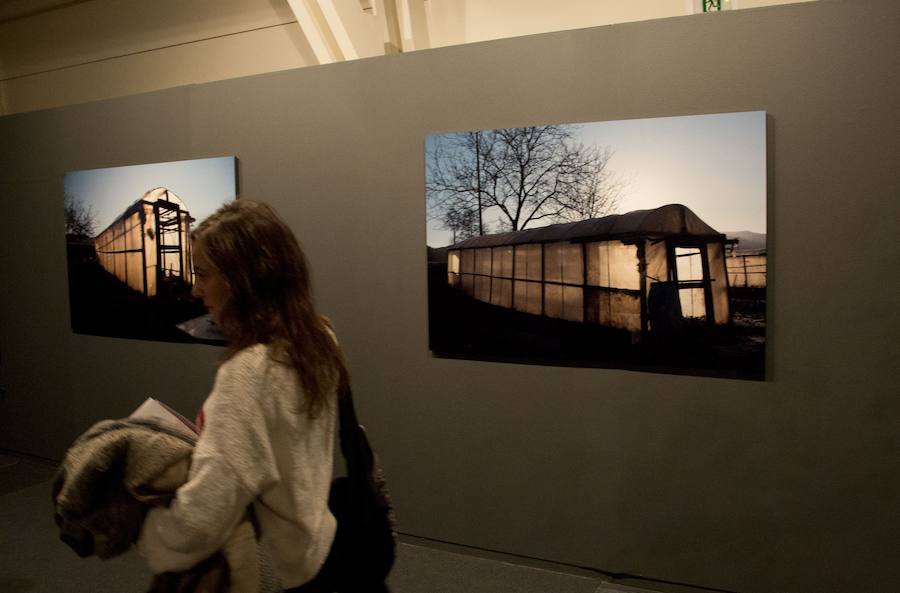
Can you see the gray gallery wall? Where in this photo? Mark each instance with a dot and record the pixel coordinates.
(785, 485)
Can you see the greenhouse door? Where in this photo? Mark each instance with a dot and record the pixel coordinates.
(691, 274)
(168, 245)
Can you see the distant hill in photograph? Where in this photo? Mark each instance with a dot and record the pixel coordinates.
(748, 240)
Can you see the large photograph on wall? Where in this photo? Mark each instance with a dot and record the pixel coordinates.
(128, 246)
(635, 244)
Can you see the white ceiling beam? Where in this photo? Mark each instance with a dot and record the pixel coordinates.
(418, 22)
(316, 29)
(404, 22)
(338, 30)
(394, 35)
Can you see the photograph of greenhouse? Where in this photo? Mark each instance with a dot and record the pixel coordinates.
(634, 244)
(128, 247)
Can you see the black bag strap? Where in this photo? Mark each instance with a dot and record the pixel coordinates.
(362, 466)
(354, 444)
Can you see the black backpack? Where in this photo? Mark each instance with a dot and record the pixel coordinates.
(365, 542)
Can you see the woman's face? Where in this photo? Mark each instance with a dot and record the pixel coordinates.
(209, 284)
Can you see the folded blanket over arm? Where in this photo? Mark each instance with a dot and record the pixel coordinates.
(108, 480)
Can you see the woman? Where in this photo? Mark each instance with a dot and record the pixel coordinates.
(268, 424)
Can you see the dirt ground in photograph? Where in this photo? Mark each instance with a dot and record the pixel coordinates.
(102, 305)
(463, 327)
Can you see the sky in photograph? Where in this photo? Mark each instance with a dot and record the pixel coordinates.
(713, 164)
(202, 184)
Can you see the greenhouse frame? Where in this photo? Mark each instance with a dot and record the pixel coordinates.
(642, 271)
(747, 269)
(149, 243)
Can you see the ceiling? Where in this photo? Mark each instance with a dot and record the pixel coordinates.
(338, 30)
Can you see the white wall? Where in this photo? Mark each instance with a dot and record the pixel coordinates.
(98, 49)
(107, 48)
(786, 485)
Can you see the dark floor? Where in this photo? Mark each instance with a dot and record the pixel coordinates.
(33, 560)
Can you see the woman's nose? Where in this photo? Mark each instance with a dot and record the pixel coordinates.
(196, 290)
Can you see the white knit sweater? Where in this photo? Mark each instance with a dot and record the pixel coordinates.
(257, 445)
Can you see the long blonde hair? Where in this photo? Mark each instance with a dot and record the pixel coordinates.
(270, 297)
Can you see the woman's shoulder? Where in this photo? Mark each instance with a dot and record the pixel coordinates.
(246, 376)
(269, 361)
(246, 359)
(259, 362)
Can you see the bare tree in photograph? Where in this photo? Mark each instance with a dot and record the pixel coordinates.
(462, 222)
(522, 176)
(79, 218)
(455, 178)
(591, 189)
